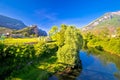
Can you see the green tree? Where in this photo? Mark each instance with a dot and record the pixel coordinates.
(2, 38)
(60, 37)
(68, 53)
(118, 32)
(53, 30)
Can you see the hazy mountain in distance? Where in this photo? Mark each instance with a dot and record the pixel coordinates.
(11, 23)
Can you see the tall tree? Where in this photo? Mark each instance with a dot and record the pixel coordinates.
(53, 30)
(68, 53)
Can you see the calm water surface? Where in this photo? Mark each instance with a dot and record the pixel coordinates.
(102, 66)
(96, 66)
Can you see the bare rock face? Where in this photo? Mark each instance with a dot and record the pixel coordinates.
(35, 30)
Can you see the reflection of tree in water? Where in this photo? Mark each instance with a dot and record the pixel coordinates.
(68, 74)
(105, 57)
(117, 75)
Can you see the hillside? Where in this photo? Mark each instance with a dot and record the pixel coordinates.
(11, 23)
(17, 28)
(109, 21)
(30, 31)
(104, 33)
(4, 30)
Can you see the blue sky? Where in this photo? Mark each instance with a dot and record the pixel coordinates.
(47, 13)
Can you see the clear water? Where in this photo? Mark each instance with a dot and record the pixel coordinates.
(102, 66)
(95, 66)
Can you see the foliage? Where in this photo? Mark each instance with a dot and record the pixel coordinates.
(104, 43)
(18, 41)
(2, 38)
(118, 32)
(68, 53)
(21, 60)
(99, 48)
(15, 57)
(53, 30)
(59, 37)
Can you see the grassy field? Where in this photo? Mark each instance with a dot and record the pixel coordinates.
(9, 41)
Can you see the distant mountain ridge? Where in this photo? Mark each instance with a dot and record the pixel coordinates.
(31, 31)
(11, 23)
(17, 27)
(109, 20)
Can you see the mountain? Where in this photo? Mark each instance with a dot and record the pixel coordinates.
(18, 28)
(11, 23)
(30, 31)
(109, 20)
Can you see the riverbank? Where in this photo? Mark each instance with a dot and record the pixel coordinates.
(93, 63)
(111, 45)
(67, 74)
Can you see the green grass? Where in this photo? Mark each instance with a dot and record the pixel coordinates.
(44, 63)
(20, 40)
(40, 70)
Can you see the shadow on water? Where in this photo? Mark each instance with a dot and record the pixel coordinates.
(68, 74)
(95, 65)
(104, 57)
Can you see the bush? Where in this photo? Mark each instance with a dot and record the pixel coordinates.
(99, 48)
(14, 57)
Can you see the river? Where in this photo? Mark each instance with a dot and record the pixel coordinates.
(95, 66)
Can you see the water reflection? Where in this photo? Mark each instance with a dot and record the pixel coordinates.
(99, 66)
(68, 74)
(96, 65)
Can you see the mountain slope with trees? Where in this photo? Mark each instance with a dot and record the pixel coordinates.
(108, 23)
(104, 33)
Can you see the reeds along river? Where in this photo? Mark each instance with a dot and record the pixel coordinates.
(95, 66)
